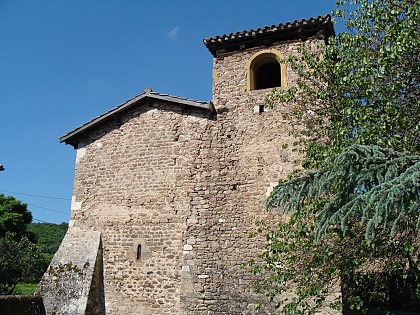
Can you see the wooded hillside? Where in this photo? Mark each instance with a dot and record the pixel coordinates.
(48, 236)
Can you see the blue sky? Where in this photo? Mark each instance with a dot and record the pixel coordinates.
(65, 62)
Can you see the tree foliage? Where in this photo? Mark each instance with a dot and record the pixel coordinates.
(380, 273)
(48, 235)
(352, 217)
(377, 186)
(14, 216)
(363, 88)
(20, 259)
(356, 220)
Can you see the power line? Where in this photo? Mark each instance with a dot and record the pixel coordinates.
(38, 196)
(49, 222)
(40, 220)
(47, 209)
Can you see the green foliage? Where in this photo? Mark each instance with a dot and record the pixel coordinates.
(20, 261)
(351, 219)
(377, 186)
(300, 274)
(48, 235)
(26, 288)
(14, 216)
(292, 260)
(363, 88)
(356, 221)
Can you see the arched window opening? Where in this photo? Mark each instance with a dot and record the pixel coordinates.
(268, 75)
(138, 256)
(265, 71)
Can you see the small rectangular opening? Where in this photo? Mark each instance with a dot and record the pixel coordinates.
(259, 108)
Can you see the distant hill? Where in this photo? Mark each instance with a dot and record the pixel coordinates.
(48, 236)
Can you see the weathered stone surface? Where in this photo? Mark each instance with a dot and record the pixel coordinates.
(72, 282)
(175, 192)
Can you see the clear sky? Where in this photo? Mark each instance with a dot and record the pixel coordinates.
(64, 62)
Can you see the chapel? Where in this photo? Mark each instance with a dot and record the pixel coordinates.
(167, 189)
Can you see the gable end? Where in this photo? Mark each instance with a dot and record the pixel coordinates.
(73, 136)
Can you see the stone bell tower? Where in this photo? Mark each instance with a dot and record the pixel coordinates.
(246, 64)
(249, 150)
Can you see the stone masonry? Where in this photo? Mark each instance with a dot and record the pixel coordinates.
(171, 188)
(76, 281)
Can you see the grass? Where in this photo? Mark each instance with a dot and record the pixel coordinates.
(26, 288)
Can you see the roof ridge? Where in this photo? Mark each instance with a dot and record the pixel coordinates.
(148, 93)
(180, 97)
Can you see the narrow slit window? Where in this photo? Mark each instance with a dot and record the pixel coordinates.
(138, 256)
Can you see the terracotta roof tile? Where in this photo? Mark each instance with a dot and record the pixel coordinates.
(274, 33)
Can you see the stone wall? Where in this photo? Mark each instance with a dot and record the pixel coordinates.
(175, 193)
(132, 183)
(71, 285)
(247, 153)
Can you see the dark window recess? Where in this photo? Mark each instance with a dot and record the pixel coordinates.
(268, 75)
(138, 256)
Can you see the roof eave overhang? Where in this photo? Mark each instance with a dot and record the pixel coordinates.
(298, 30)
(72, 138)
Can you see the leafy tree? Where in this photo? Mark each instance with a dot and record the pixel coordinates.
(14, 216)
(363, 88)
(48, 238)
(20, 261)
(352, 217)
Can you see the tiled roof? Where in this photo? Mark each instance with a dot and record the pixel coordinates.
(267, 35)
(73, 136)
